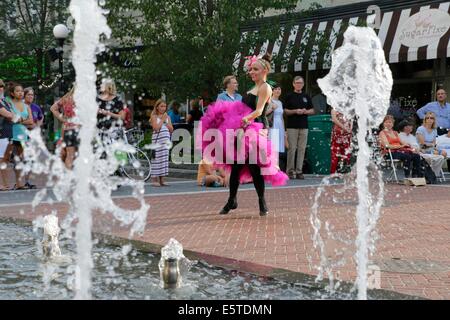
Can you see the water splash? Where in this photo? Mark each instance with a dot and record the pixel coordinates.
(50, 244)
(90, 185)
(359, 86)
(90, 24)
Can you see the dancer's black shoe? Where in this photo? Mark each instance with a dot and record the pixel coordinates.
(263, 210)
(231, 205)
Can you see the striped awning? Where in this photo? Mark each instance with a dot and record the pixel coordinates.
(391, 31)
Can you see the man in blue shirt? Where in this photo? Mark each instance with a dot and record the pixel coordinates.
(230, 84)
(441, 109)
(174, 112)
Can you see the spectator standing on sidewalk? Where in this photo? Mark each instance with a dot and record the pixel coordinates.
(441, 108)
(38, 120)
(7, 117)
(277, 131)
(174, 112)
(341, 143)
(111, 112)
(196, 113)
(230, 84)
(19, 129)
(127, 121)
(36, 110)
(162, 128)
(297, 107)
(64, 111)
(3, 140)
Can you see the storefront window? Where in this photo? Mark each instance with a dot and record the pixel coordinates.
(407, 98)
(412, 70)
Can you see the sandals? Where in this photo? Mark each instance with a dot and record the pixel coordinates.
(30, 186)
(24, 187)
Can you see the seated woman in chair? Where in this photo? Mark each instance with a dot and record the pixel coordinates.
(435, 160)
(427, 134)
(390, 141)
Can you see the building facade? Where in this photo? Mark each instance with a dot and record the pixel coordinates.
(306, 4)
(415, 36)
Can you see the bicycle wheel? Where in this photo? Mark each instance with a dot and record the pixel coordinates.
(138, 166)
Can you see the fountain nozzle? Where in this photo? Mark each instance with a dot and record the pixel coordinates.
(50, 246)
(171, 274)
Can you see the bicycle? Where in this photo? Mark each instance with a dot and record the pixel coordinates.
(137, 165)
(134, 136)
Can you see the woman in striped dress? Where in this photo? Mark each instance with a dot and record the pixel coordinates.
(162, 128)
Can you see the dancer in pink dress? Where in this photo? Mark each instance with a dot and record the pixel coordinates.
(249, 155)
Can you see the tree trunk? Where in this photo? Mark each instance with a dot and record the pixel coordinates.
(209, 8)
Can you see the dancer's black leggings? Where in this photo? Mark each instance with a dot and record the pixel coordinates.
(258, 179)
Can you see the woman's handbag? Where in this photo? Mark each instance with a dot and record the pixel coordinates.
(153, 151)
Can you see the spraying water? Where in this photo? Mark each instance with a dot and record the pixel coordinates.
(90, 24)
(89, 185)
(50, 243)
(359, 85)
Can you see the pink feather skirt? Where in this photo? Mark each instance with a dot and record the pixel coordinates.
(223, 142)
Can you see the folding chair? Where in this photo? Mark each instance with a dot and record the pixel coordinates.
(442, 177)
(386, 163)
(393, 164)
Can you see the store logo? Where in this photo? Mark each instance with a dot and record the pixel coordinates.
(424, 28)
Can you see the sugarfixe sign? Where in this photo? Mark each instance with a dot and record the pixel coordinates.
(424, 28)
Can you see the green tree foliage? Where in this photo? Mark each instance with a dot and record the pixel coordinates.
(189, 45)
(26, 33)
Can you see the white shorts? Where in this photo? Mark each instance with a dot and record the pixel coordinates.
(3, 144)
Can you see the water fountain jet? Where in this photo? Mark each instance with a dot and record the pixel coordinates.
(359, 86)
(50, 246)
(173, 265)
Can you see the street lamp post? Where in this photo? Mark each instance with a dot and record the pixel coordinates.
(60, 32)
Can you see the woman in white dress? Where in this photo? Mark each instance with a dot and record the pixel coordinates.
(277, 130)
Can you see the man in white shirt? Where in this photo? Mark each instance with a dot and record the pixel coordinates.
(436, 161)
(443, 142)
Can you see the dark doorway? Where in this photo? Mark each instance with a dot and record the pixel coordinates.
(407, 98)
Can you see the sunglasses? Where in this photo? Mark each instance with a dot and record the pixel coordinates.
(429, 118)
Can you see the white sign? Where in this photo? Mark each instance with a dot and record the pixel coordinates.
(424, 28)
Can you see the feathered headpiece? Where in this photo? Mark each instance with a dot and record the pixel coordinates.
(252, 59)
